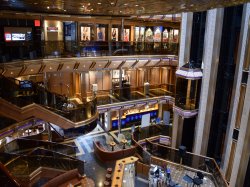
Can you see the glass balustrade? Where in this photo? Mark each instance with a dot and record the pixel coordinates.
(24, 145)
(146, 149)
(116, 95)
(53, 49)
(10, 90)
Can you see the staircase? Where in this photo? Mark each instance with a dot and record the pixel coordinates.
(37, 102)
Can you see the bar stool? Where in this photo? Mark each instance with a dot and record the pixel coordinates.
(109, 170)
(108, 177)
(106, 184)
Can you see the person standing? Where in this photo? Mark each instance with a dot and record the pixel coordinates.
(168, 171)
(100, 34)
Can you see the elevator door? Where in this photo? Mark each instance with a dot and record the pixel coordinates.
(188, 133)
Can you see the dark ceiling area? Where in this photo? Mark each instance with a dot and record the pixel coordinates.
(115, 7)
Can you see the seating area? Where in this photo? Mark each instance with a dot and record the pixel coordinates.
(70, 178)
(108, 177)
(180, 176)
(105, 155)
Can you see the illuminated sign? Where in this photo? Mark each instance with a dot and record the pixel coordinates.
(52, 29)
(18, 37)
(7, 36)
(37, 23)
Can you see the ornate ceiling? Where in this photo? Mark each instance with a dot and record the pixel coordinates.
(114, 7)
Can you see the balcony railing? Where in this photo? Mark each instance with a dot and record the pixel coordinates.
(52, 49)
(147, 149)
(11, 91)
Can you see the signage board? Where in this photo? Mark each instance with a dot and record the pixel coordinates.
(52, 29)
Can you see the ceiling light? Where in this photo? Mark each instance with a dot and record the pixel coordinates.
(47, 7)
(99, 65)
(92, 9)
(89, 4)
(31, 70)
(136, 5)
(64, 10)
(50, 67)
(11, 73)
(99, 3)
(125, 4)
(112, 3)
(67, 67)
(82, 6)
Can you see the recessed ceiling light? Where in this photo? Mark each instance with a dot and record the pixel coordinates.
(89, 4)
(91, 9)
(64, 10)
(31, 70)
(125, 4)
(11, 73)
(83, 6)
(50, 67)
(136, 5)
(47, 7)
(99, 3)
(67, 67)
(112, 3)
(35, 3)
(99, 65)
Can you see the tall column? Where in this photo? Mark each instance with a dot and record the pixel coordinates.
(177, 129)
(122, 31)
(45, 81)
(108, 121)
(185, 41)
(160, 110)
(233, 150)
(242, 152)
(211, 60)
(84, 82)
(119, 121)
(109, 38)
(76, 83)
(120, 84)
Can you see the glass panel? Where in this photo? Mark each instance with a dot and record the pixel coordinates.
(146, 149)
(23, 94)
